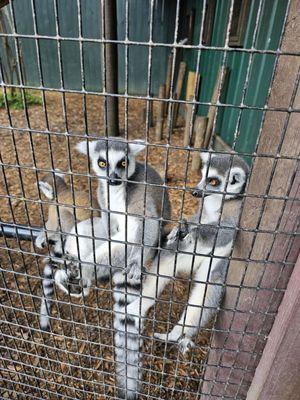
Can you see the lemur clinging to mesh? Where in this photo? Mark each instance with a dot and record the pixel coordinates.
(113, 161)
(61, 216)
(211, 234)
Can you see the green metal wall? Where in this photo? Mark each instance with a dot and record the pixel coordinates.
(268, 35)
(139, 30)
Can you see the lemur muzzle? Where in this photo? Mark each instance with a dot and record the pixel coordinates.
(114, 179)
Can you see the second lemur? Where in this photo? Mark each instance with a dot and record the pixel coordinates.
(204, 244)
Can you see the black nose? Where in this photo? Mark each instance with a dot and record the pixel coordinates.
(197, 193)
(114, 179)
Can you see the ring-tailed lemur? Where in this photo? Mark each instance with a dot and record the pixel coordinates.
(60, 216)
(79, 244)
(113, 160)
(210, 235)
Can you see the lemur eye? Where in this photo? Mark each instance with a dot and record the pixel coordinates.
(102, 164)
(123, 163)
(213, 181)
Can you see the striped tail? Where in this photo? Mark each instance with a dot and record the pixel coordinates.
(48, 292)
(127, 338)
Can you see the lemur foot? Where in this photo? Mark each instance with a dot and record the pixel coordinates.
(185, 344)
(167, 337)
(133, 271)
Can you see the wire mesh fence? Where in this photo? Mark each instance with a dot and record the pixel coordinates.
(96, 253)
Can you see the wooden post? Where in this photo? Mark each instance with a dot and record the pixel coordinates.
(190, 87)
(200, 128)
(160, 113)
(278, 374)
(151, 122)
(212, 109)
(178, 89)
(168, 81)
(188, 117)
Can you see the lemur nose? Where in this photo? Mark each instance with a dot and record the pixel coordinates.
(114, 179)
(197, 193)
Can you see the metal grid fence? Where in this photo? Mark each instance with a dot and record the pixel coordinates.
(76, 358)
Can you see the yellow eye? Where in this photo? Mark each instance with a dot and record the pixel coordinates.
(123, 163)
(213, 182)
(102, 164)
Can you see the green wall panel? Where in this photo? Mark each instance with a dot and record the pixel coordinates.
(261, 67)
(139, 30)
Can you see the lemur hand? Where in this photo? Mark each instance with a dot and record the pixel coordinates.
(133, 271)
(178, 233)
(73, 284)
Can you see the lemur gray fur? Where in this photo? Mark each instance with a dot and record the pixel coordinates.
(211, 234)
(61, 216)
(123, 181)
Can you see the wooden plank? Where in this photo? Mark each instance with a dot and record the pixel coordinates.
(178, 90)
(160, 113)
(188, 117)
(168, 81)
(190, 87)
(278, 374)
(215, 97)
(199, 132)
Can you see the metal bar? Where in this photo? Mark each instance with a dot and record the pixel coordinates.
(111, 65)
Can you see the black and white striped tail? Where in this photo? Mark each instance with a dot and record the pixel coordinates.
(48, 292)
(127, 338)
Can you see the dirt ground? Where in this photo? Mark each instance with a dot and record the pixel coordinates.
(76, 360)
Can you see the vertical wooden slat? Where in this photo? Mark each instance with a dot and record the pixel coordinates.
(178, 90)
(278, 373)
(160, 113)
(199, 132)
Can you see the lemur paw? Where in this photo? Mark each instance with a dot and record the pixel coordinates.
(133, 271)
(70, 281)
(178, 233)
(185, 344)
(166, 337)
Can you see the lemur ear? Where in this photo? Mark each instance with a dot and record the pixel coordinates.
(237, 176)
(204, 157)
(136, 147)
(46, 189)
(82, 147)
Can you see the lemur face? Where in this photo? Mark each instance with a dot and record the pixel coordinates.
(112, 159)
(222, 174)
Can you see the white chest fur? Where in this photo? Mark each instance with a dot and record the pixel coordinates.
(116, 203)
(211, 208)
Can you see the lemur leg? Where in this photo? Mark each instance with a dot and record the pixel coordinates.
(202, 304)
(66, 224)
(48, 291)
(51, 225)
(188, 322)
(161, 273)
